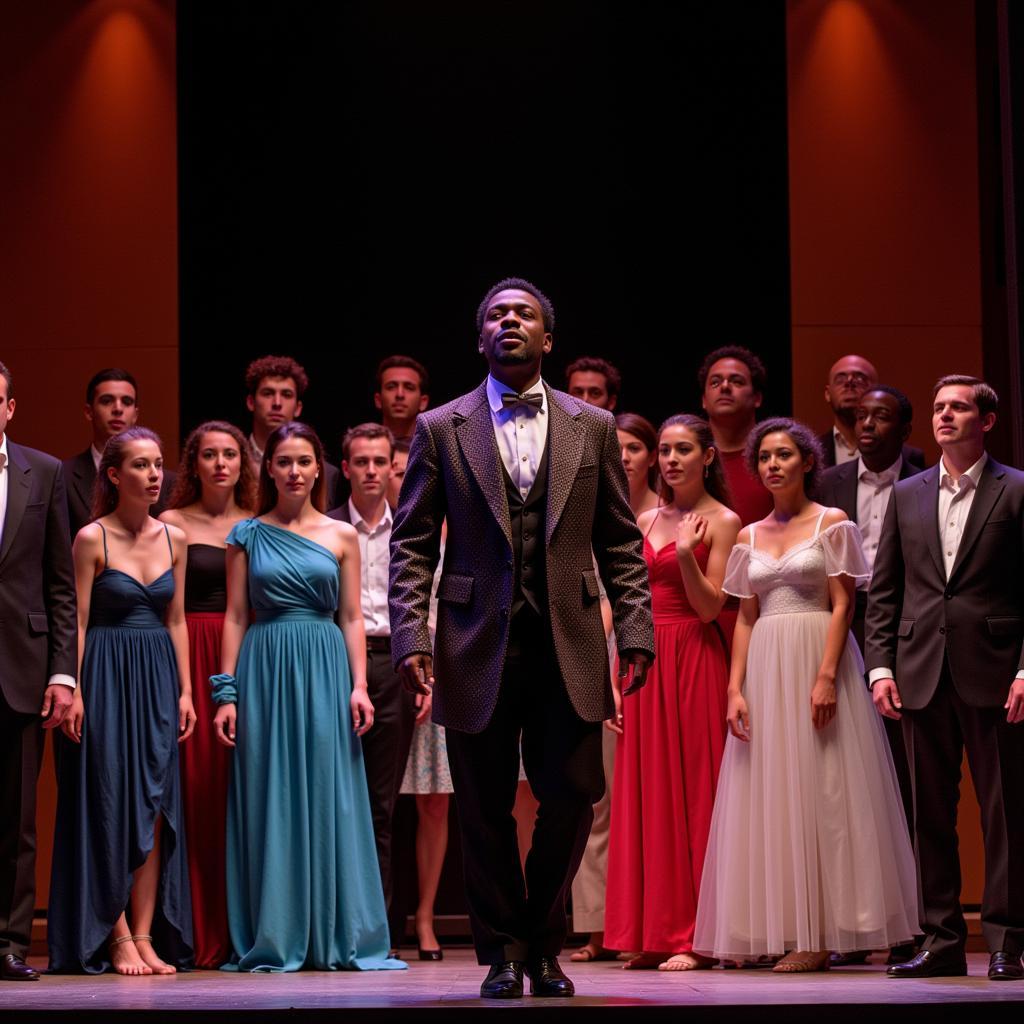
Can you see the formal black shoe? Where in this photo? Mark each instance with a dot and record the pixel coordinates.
(548, 979)
(1005, 967)
(901, 954)
(855, 958)
(13, 968)
(429, 954)
(930, 965)
(503, 981)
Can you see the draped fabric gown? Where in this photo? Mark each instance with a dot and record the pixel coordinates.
(123, 775)
(808, 847)
(205, 763)
(304, 886)
(666, 771)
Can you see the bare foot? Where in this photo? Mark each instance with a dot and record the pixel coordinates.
(644, 962)
(125, 959)
(802, 962)
(688, 962)
(144, 944)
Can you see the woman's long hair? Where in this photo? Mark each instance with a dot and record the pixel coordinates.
(188, 490)
(104, 494)
(714, 480)
(643, 430)
(268, 489)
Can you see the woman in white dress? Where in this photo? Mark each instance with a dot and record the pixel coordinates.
(808, 850)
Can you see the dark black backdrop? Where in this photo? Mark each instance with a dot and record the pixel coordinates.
(353, 176)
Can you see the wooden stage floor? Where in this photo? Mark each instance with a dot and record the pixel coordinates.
(450, 989)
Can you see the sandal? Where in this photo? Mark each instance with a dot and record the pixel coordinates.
(590, 953)
(802, 962)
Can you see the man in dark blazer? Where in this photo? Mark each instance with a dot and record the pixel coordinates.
(38, 637)
(111, 405)
(863, 489)
(945, 625)
(530, 480)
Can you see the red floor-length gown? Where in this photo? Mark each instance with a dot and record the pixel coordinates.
(666, 772)
(205, 763)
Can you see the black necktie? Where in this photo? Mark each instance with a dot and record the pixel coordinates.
(534, 399)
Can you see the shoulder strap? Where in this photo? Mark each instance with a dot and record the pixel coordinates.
(654, 519)
(170, 546)
(817, 525)
(106, 556)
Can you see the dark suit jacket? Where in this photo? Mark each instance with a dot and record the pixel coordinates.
(828, 443)
(454, 471)
(38, 617)
(837, 487)
(80, 476)
(975, 618)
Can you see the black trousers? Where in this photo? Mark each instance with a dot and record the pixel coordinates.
(935, 738)
(385, 752)
(515, 917)
(21, 756)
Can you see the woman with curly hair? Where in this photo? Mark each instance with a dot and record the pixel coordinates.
(215, 490)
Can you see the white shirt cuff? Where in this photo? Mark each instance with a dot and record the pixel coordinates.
(59, 679)
(878, 673)
(1020, 674)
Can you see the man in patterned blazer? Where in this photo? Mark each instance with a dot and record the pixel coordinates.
(530, 480)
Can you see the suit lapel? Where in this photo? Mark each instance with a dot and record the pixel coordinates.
(928, 511)
(18, 485)
(990, 486)
(565, 452)
(84, 473)
(474, 431)
(846, 492)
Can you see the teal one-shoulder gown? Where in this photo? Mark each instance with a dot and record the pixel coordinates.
(303, 882)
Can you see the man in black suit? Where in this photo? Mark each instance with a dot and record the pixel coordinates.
(945, 625)
(531, 482)
(111, 405)
(275, 386)
(368, 450)
(862, 489)
(38, 637)
(848, 379)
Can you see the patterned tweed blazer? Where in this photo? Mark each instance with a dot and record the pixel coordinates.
(454, 472)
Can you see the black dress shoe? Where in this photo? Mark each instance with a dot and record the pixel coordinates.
(930, 965)
(1005, 967)
(901, 954)
(503, 981)
(548, 979)
(855, 958)
(13, 968)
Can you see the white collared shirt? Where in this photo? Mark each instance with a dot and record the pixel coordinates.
(521, 432)
(255, 451)
(955, 500)
(374, 562)
(873, 493)
(97, 455)
(843, 451)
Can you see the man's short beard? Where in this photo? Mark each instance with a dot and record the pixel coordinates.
(512, 358)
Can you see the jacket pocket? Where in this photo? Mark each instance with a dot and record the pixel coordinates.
(455, 589)
(1004, 625)
(591, 590)
(906, 627)
(38, 622)
(588, 470)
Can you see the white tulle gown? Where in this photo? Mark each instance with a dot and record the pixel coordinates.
(808, 847)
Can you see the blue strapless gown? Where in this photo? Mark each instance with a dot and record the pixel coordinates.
(113, 785)
(303, 880)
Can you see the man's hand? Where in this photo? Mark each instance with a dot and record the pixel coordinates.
(1015, 703)
(57, 702)
(633, 666)
(887, 698)
(417, 673)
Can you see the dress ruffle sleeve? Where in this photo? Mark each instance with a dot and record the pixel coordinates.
(844, 551)
(737, 572)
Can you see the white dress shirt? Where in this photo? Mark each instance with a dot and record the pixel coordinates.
(521, 432)
(844, 453)
(873, 493)
(374, 561)
(97, 455)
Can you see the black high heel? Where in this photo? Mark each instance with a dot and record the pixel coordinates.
(429, 954)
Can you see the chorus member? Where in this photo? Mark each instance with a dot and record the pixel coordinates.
(37, 672)
(111, 405)
(275, 386)
(639, 444)
(367, 453)
(672, 737)
(944, 653)
(302, 877)
(808, 850)
(403, 392)
(399, 460)
(595, 381)
(530, 480)
(120, 833)
(215, 490)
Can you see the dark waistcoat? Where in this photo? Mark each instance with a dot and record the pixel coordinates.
(528, 516)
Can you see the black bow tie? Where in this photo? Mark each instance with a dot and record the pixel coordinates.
(534, 399)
